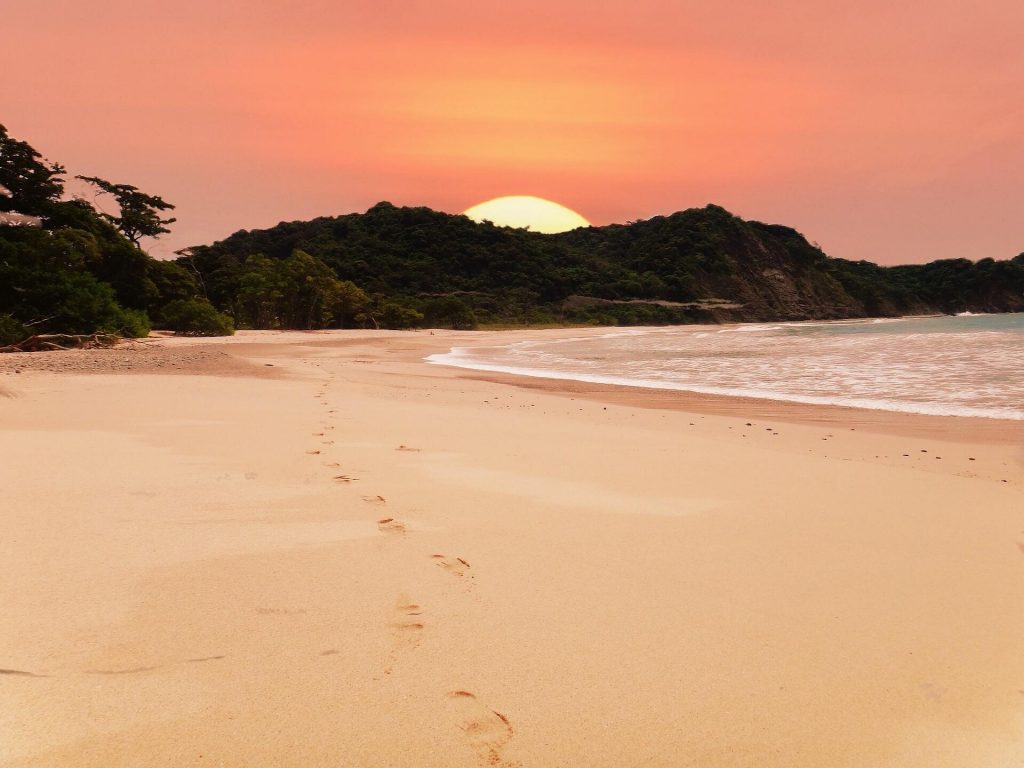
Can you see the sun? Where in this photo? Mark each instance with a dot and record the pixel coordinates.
(525, 211)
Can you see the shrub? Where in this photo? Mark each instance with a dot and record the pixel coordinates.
(133, 324)
(450, 312)
(11, 331)
(397, 316)
(195, 317)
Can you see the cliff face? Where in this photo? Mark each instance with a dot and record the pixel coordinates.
(699, 265)
(763, 272)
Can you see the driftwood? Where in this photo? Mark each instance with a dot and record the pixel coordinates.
(47, 342)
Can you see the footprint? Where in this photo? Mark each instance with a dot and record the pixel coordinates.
(390, 525)
(344, 478)
(454, 565)
(486, 730)
(406, 631)
(129, 671)
(281, 611)
(20, 673)
(313, 453)
(407, 448)
(378, 499)
(408, 608)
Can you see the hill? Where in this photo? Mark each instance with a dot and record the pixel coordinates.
(68, 268)
(699, 265)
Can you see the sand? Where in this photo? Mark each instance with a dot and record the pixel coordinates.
(316, 550)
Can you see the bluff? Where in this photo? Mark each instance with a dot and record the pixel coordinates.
(698, 265)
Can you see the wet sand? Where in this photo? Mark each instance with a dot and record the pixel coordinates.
(315, 549)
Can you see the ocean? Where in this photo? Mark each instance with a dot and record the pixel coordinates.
(948, 366)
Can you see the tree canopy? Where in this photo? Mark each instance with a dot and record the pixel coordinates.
(28, 183)
(77, 273)
(140, 213)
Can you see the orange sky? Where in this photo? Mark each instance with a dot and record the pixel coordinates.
(894, 134)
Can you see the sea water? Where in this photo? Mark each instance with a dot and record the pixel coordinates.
(951, 366)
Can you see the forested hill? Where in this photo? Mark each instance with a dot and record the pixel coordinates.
(700, 265)
(67, 267)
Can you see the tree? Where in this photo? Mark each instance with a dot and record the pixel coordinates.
(311, 290)
(449, 312)
(398, 316)
(172, 281)
(259, 294)
(351, 305)
(27, 181)
(140, 213)
(41, 288)
(299, 292)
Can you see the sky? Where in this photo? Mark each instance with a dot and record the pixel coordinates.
(882, 130)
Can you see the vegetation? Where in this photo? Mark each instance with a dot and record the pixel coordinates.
(46, 285)
(26, 179)
(295, 292)
(12, 331)
(139, 212)
(700, 265)
(195, 317)
(80, 272)
(83, 272)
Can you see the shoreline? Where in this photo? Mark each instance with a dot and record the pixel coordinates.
(214, 356)
(457, 357)
(992, 431)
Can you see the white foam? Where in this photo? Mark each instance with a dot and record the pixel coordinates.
(938, 366)
(458, 357)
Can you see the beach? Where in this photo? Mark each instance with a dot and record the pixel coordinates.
(307, 549)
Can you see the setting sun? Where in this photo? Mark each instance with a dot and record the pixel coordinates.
(527, 212)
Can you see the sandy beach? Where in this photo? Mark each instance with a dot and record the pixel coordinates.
(314, 549)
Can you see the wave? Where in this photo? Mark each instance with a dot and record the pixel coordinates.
(462, 357)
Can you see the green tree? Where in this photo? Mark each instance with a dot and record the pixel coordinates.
(351, 305)
(37, 290)
(311, 291)
(260, 292)
(298, 292)
(398, 316)
(28, 183)
(450, 312)
(172, 281)
(140, 213)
